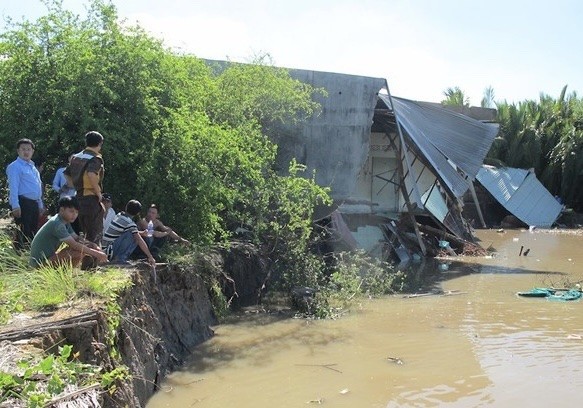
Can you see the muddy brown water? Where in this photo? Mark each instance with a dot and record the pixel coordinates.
(483, 346)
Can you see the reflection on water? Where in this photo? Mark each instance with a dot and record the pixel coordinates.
(482, 347)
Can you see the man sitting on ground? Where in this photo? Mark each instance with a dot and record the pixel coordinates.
(122, 237)
(109, 213)
(160, 234)
(56, 231)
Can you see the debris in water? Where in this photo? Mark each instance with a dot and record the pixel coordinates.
(328, 366)
(395, 360)
(344, 391)
(316, 401)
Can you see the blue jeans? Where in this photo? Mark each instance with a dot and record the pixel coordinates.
(123, 247)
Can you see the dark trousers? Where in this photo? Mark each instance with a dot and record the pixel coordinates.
(154, 245)
(91, 218)
(27, 223)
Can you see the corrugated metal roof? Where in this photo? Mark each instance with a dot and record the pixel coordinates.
(520, 192)
(445, 137)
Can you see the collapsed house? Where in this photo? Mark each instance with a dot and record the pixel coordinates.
(397, 168)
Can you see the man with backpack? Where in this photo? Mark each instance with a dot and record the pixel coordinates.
(85, 173)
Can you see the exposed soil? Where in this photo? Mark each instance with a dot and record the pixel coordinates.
(161, 322)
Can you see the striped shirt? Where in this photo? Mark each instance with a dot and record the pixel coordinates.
(120, 224)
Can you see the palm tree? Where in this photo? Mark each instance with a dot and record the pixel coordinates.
(455, 97)
(488, 98)
(547, 135)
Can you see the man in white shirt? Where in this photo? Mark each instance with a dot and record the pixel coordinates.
(109, 213)
(60, 183)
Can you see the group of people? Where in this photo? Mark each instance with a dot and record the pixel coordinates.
(100, 235)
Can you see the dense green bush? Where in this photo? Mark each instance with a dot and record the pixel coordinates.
(187, 135)
(177, 133)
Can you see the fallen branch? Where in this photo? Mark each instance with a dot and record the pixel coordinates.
(72, 395)
(88, 319)
(448, 293)
(416, 295)
(453, 293)
(328, 366)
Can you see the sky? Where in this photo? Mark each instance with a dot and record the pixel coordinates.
(519, 48)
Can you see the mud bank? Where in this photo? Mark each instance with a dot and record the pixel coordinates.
(160, 324)
(163, 320)
(156, 325)
(159, 320)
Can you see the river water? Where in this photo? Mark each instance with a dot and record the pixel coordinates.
(480, 346)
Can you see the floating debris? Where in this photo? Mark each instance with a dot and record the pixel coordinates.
(561, 295)
(344, 391)
(395, 360)
(328, 366)
(316, 401)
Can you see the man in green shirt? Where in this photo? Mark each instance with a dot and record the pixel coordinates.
(44, 248)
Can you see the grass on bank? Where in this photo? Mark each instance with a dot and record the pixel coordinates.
(23, 288)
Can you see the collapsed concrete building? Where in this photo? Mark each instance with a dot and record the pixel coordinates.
(388, 159)
(397, 168)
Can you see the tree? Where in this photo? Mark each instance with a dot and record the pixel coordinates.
(545, 135)
(455, 97)
(176, 132)
(488, 98)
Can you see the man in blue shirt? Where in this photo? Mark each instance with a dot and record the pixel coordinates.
(25, 196)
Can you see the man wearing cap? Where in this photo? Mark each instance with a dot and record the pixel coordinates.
(85, 173)
(109, 213)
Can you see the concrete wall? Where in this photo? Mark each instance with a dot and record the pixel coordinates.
(336, 142)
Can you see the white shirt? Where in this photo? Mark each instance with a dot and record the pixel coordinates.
(60, 184)
(109, 216)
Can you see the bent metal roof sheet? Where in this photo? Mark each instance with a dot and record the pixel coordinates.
(520, 192)
(445, 137)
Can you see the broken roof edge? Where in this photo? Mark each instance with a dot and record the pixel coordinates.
(446, 138)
